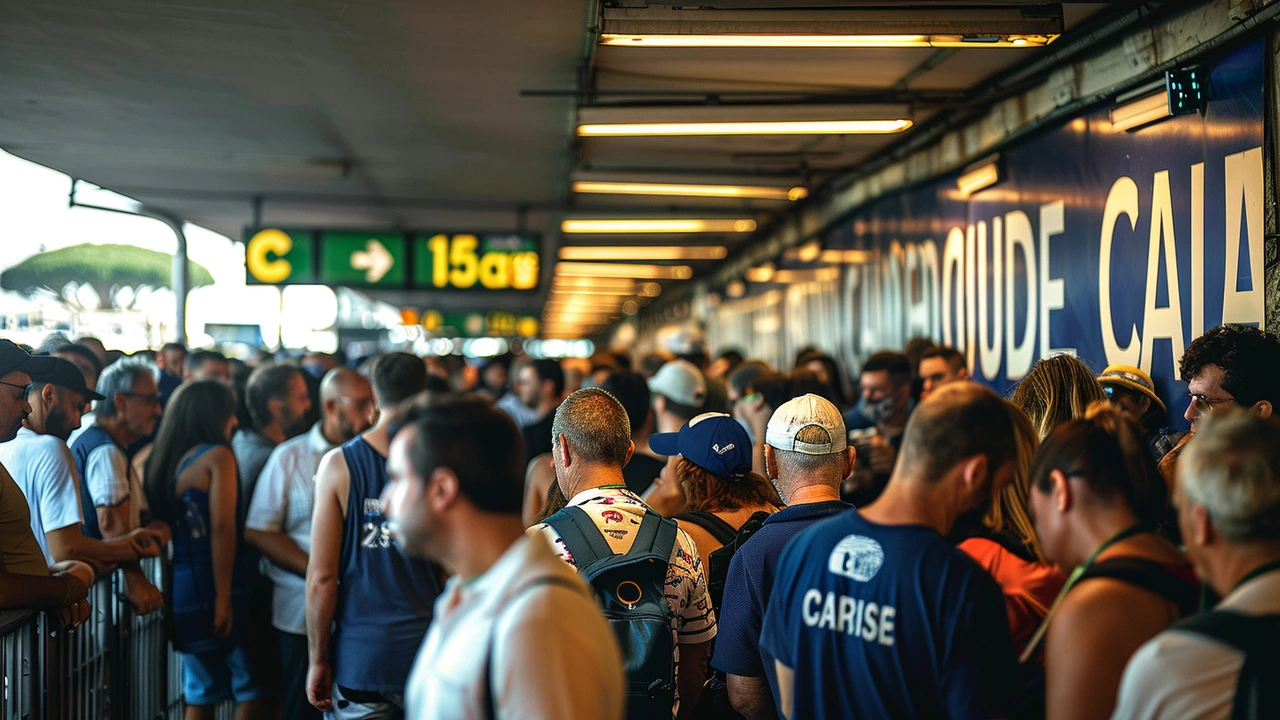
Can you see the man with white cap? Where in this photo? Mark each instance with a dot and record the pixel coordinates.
(806, 457)
(679, 392)
(874, 613)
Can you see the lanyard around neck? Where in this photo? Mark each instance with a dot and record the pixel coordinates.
(1071, 582)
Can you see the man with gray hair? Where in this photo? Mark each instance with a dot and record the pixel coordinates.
(806, 458)
(111, 493)
(1218, 664)
(590, 444)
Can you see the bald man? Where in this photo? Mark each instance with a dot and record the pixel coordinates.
(279, 521)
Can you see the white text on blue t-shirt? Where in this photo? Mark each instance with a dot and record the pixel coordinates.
(841, 613)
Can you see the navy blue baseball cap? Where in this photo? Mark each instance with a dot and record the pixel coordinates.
(714, 442)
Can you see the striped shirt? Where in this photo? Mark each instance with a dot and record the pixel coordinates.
(617, 512)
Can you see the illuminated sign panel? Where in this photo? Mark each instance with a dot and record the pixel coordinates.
(465, 262)
(423, 261)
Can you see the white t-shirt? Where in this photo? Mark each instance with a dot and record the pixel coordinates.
(282, 502)
(111, 479)
(86, 422)
(42, 467)
(1181, 675)
(553, 655)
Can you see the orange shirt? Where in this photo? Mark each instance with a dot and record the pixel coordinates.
(1029, 587)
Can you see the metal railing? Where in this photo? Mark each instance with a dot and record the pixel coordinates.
(117, 665)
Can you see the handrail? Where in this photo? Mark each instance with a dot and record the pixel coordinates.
(11, 620)
(116, 665)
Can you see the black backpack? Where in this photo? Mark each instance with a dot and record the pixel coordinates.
(632, 591)
(730, 540)
(714, 703)
(1258, 637)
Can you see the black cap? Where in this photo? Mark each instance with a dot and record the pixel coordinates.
(65, 374)
(13, 358)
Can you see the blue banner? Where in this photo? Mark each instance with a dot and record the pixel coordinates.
(1120, 247)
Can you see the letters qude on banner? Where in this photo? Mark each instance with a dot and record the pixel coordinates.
(1120, 247)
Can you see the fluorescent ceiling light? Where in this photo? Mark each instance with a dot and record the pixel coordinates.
(765, 127)
(1143, 111)
(980, 176)
(650, 252)
(850, 257)
(604, 287)
(768, 40)
(598, 292)
(888, 25)
(761, 273)
(606, 270)
(746, 192)
(609, 227)
(565, 283)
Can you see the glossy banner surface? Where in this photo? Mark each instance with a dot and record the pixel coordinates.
(1121, 247)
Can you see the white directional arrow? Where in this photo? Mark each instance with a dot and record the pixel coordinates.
(375, 260)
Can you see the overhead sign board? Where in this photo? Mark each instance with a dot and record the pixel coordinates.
(389, 260)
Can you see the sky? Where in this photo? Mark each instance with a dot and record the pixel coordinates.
(34, 216)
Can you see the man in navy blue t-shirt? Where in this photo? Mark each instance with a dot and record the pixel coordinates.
(807, 457)
(874, 613)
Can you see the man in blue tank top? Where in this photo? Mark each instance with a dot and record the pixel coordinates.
(368, 605)
(874, 613)
(111, 494)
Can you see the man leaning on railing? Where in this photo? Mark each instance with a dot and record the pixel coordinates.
(26, 581)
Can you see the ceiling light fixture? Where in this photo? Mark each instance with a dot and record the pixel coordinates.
(763, 40)
(982, 174)
(887, 25)
(612, 227)
(760, 273)
(745, 192)
(749, 127)
(607, 270)
(598, 292)
(651, 252)
(1140, 112)
(850, 257)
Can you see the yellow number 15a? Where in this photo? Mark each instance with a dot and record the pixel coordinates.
(454, 263)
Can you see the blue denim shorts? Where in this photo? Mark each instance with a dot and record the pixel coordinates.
(210, 677)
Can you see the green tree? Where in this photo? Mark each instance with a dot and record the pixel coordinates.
(104, 267)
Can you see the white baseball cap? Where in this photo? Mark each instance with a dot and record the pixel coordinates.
(799, 413)
(680, 381)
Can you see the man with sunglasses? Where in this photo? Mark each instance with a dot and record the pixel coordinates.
(40, 463)
(1232, 364)
(111, 493)
(26, 578)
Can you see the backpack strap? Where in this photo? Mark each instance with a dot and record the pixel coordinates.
(581, 537)
(490, 707)
(1258, 638)
(722, 531)
(1151, 576)
(656, 536)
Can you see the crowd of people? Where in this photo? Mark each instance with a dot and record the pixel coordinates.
(684, 536)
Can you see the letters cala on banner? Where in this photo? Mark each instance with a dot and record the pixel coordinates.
(1121, 247)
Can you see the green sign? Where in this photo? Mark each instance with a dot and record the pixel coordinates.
(371, 260)
(473, 325)
(277, 257)
(427, 261)
(464, 262)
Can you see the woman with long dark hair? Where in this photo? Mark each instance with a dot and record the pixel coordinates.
(191, 483)
(1096, 498)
